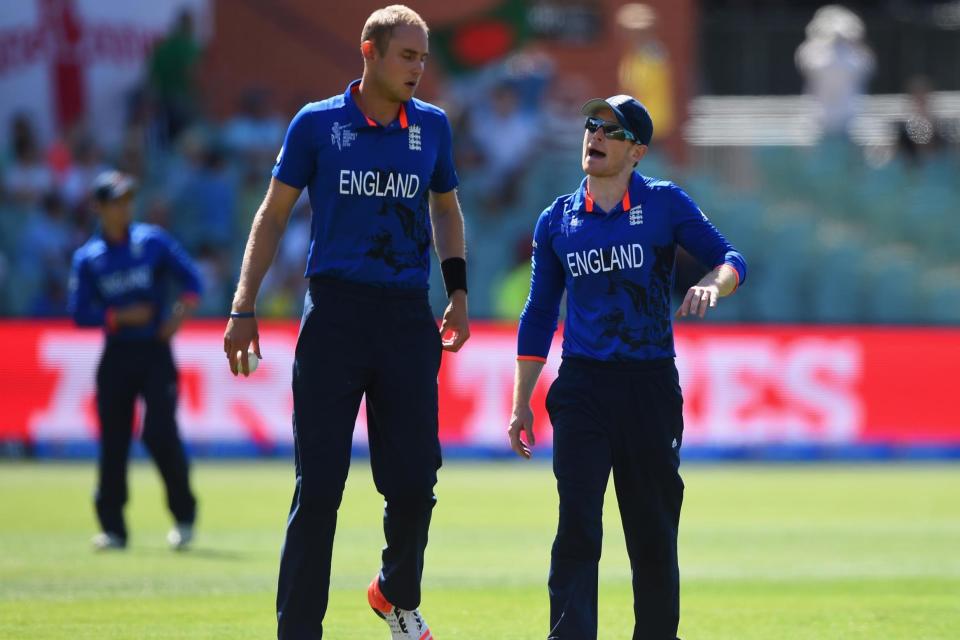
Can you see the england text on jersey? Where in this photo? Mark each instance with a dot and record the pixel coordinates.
(379, 183)
(615, 258)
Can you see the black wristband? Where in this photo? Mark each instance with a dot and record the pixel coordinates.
(242, 314)
(454, 274)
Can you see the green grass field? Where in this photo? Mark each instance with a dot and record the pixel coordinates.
(786, 552)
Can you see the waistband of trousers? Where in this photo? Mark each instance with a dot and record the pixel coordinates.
(139, 342)
(627, 366)
(320, 284)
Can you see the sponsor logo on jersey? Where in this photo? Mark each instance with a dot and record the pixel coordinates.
(413, 137)
(379, 183)
(341, 135)
(615, 258)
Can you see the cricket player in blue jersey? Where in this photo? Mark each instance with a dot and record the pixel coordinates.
(616, 403)
(121, 280)
(379, 170)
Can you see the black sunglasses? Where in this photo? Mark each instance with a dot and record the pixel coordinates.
(611, 130)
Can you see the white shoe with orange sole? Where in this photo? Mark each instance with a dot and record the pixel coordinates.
(405, 624)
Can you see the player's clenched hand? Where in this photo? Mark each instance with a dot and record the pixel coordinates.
(240, 334)
(522, 421)
(698, 299)
(455, 329)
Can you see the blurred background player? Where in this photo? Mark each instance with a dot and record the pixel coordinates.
(616, 403)
(379, 168)
(120, 280)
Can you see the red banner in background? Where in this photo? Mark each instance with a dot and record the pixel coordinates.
(744, 386)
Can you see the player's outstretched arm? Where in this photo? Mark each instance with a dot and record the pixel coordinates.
(448, 239)
(521, 420)
(719, 283)
(268, 226)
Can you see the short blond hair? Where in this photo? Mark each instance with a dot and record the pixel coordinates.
(379, 26)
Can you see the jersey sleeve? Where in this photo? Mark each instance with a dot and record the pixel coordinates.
(693, 231)
(444, 176)
(296, 161)
(181, 266)
(83, 303)
(538, 322)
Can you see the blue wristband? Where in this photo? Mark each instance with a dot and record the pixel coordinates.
(242, 314)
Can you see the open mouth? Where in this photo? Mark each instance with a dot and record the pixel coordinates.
(594, 153)
(411, 84)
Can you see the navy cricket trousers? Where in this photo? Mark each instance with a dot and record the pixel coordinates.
(626, 417)
(129, 369)
(357, 339)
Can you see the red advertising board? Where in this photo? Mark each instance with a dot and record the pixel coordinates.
(745, 386)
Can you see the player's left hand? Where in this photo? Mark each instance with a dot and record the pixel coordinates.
(698, 299)
(455, 329)
(181, 310)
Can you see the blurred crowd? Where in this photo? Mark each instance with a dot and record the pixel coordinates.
(517, 132)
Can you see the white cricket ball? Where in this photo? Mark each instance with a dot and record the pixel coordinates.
(252, 361)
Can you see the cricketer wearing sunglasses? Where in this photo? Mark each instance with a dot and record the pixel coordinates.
(616, 403)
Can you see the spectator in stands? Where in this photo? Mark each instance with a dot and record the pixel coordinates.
(505, 135)
(644, 69)
(133, 157)
(254, 132)
(87, 163)
(172, 76)
(27, 178)
(560, 115)
(205, 207)
(50, 300)
(157, 212)
(47, 241)
(922, 135)
(836, 65)
(212, 265)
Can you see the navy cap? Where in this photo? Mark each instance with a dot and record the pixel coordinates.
(631, 115)
(111, 185)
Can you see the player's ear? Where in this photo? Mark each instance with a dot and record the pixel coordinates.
(368, 49)
(638, 151)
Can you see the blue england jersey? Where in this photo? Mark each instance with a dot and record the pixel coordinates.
(149, 267)
(617, 269)
(369, 187)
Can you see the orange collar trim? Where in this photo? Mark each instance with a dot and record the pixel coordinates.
(404, 123)
(588, 200)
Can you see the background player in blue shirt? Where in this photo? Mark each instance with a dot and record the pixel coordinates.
(123, 279)
(378, 167)
(616, 403)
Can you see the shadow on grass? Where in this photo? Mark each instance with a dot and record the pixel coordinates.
(204, 553)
